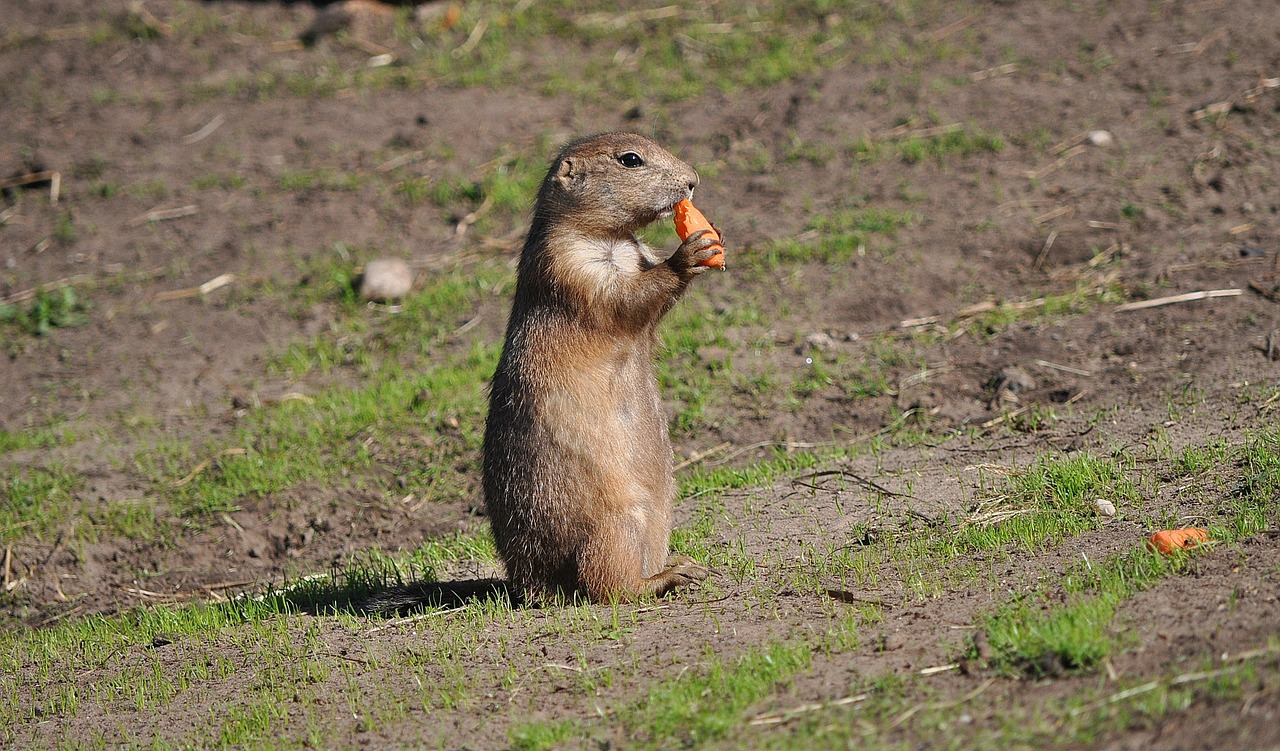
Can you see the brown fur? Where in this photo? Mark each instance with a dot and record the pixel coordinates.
(577, 463)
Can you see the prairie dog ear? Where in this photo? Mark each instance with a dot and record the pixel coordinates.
(568, 174)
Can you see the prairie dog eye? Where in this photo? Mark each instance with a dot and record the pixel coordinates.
(630, 160)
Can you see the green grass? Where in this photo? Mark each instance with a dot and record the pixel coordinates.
(695, 707)
(35, 438)
(51, 309)
(837, 237)
(36, 502)
(955, 143)
(417, 408)
(1036, 636)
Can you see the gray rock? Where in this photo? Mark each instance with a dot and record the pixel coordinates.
(819, 341)
(385, 280)
(1100, 138)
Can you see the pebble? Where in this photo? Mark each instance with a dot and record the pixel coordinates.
(386, 279)
(819, 341)
(1015, 380)
(1100, 138)
(1105, 507)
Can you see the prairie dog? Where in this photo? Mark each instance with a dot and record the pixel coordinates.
(578, 479)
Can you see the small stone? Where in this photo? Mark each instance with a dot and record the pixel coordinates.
(1104, 507)
(1100, 138)
(894, 641)
(1015, 380)
(386, 279)
(819, 341)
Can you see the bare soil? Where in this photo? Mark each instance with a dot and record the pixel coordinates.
(1185, 198)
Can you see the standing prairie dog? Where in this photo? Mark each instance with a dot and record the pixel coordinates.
(578, 479)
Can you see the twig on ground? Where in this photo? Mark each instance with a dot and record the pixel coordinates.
(700, 455)
(477, 33)
(1270, 291)
(1063, 368)
(471, 218)
(1044, 252)
(952, 28)
(622, 20)
(1051, 215)
(1153, 685)
(149, 19)
(847, 597)
(1055, 165)
(204, 464)
(778, 718)
(1188, 297)
(1106, 255)
(413, 619)
(206, 131)
(217, 282)
(864, 482)
(999, 70)
(788, 445)
(940, 669)
(1006, 416)
(941, 705)
(30, 294)
(52, 177)
(401, 160)
(160, 215)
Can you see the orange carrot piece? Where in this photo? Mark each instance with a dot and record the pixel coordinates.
(688, 221)
(1169, 540)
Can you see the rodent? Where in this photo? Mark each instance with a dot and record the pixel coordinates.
(578, 480)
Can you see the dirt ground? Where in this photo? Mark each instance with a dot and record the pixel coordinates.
(1176, 191)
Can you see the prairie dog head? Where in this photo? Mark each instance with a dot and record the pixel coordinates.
(612, 185)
